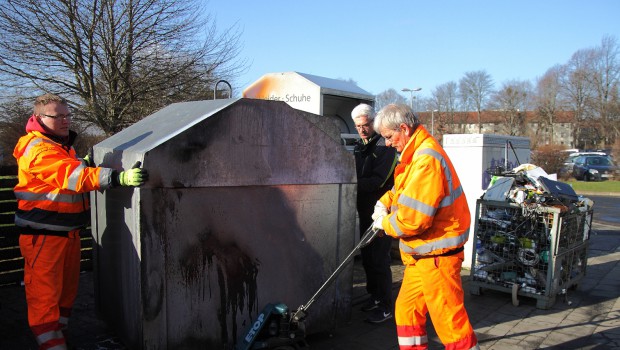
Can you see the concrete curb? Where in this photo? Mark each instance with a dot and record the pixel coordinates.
(606, 194)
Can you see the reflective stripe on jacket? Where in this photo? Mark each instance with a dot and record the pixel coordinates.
(428, 208)
(53, 184)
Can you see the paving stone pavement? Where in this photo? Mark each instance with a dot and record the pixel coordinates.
(585, 318)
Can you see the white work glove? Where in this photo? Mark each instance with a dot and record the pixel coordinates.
(380, 211)
(378, 215)
(378, 224)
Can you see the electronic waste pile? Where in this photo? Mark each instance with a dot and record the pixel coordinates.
(532, 237)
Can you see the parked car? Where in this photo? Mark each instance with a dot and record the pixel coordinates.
(567, 167)
(594, 168)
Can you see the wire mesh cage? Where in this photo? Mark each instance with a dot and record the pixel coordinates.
(529, 250)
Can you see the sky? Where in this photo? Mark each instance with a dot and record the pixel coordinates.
(413, 44)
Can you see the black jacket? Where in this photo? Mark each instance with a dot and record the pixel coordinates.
(374, 163)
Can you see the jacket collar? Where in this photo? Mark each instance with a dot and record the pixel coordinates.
(363, 144)
(372, 139)
(419, 135)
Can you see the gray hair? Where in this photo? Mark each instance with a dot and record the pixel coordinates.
(391, 116)
(363, 110)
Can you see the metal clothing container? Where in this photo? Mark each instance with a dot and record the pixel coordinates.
(248, 202)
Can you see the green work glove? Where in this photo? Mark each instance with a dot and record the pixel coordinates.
(134, 176)
(87, 161)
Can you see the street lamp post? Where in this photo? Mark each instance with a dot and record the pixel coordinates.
(411, 91)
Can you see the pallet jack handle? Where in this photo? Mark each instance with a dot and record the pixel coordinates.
(368, 237)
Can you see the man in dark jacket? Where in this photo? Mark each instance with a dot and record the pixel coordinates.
(374, 164)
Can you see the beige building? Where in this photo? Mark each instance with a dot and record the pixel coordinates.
(561, 131)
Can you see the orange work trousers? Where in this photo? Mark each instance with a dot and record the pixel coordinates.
(433, 285)
(51, 277)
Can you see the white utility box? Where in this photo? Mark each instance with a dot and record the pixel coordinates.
(476, 157)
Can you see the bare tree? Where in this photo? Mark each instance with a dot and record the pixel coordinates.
(388, 96)
(590, 88)
(547, 103)
(116, 61)
(513, 101)
(577, 93)
(605, 79)
(443, 107)
(13, 117)
(476, 88)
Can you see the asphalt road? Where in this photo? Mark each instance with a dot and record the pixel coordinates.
(606, 209)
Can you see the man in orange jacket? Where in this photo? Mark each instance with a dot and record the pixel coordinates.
(52, 199)
(427, 210)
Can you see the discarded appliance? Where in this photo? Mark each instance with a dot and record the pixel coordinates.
(248, 201)
(532, 235)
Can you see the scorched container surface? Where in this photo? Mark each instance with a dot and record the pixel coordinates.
(248, 202)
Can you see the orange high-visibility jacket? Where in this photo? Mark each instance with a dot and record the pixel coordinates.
(428, 208)
(53, 184)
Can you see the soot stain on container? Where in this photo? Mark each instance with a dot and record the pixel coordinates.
(153, 290)
(236, 277)
(178, 184)
(190, 144)
(154, 242)
(187, 147)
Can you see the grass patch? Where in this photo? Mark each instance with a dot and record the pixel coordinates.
(595, 186)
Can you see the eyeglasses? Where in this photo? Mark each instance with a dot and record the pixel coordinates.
(363, 126)
(60, 116)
